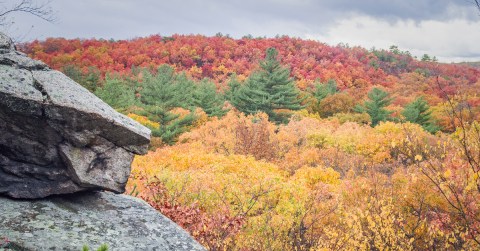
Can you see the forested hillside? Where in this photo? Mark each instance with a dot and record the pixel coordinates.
(290, 144)
(219, 57)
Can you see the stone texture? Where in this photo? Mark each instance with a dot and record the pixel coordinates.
(70, 221)
(6, 43)
(55, 136)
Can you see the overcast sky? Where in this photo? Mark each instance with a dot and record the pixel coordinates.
(447, 29)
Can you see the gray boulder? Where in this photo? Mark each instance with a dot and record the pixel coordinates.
(70, 221)
(55, 136)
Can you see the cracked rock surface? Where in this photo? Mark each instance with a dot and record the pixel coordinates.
(69, 222)
(55, 136)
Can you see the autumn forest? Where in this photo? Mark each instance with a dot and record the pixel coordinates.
(291, 144)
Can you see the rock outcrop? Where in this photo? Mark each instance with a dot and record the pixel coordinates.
(59, 140)
(55, 136)
(70, 221)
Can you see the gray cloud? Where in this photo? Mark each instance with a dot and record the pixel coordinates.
(400, 9)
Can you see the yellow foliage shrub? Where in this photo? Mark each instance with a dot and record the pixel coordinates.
(143, 120)
(320, 184)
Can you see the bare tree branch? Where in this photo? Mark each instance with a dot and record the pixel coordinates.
(477, 3)
(40, 10)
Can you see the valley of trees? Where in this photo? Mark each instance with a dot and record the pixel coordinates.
(289, 144)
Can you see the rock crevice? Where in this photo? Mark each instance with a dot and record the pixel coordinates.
(46, 98)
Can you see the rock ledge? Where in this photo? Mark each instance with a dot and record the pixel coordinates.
(55, 136)
(68, 222)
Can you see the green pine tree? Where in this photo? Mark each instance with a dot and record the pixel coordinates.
(269, 90)
(375, 106)
(184, 88)
(166, 89)
(171, 125)
(159, 94)
(207, 98)
(233, 86)
(419, 112)
(90, 80)
(323, 90)
(251, 97)
(116, 93)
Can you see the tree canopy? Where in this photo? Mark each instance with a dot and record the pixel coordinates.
(269, 90)
(378, 99)
(418, 111)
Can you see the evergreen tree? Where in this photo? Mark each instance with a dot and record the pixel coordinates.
(184, 88)
(323, 90)
(159, 94)
(269, 90)
(89, 80)
(419, 112)
(171, 125)
(116, 93)
(207, 98)
(251, 97)
(165, 89)
(375, 106)
(233, 86)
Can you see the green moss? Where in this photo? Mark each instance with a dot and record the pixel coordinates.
(103, 247)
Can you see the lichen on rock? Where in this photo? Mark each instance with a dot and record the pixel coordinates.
(70, 221)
